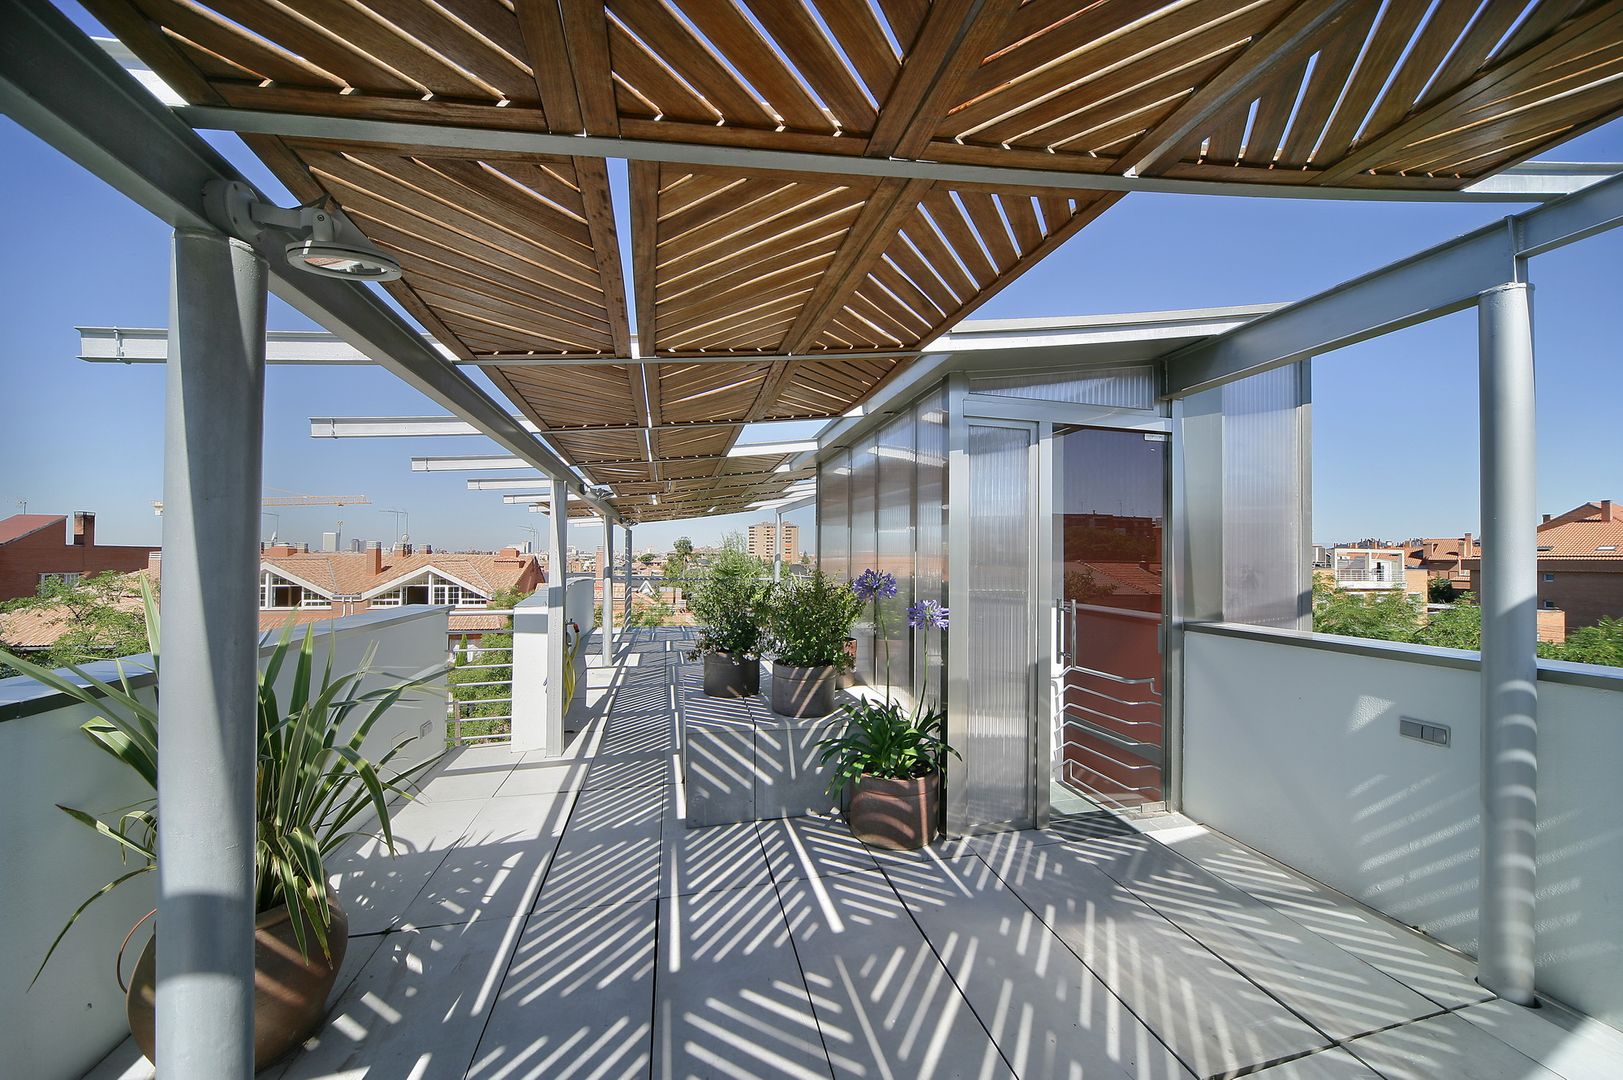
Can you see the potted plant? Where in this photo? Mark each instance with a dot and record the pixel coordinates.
(728, 607)
(890, 758)
(807, 620)
(312, 789)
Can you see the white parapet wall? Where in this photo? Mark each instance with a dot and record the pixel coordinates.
(49, 863)
(1291, 744)
(532, 681)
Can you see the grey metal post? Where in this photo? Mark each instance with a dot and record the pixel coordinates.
(628, 576)
(208, 689)
(777, 549)
(608, 590)
(557, 615)
(1509, 643)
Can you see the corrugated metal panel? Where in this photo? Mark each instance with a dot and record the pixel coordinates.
(1113, 387)
(895, 547)
(864, 551)
(997, 727)
(930, 516)
(834, 516)
(1262, 500)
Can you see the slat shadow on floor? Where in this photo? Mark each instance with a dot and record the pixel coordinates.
(552, 919)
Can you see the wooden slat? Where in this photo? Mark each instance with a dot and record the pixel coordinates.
(1284, 41)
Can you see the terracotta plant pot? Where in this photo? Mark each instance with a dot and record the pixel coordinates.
(725, 677)
(802, 691)
(899, 815)
(848, 674)
(290, 993)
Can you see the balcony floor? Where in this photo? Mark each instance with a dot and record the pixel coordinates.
(556, 919)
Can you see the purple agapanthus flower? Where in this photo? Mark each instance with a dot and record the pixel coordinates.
(927, 615)
(874, 585)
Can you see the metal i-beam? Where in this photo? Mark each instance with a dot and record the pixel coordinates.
(149, 345)
(1443, 279)
(356, 130)
(415, 427)
(60, 85)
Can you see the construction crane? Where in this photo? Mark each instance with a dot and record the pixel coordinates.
(315, 500)
(297, 500)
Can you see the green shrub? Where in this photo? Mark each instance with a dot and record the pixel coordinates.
(808, 619)
(728, 604)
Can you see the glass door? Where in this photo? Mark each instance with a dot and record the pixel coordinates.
(1108, 741)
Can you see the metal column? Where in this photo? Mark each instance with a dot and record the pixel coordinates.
(628, 577)
(1509, 643)
(777, 549)
(608, 591)
(208, 688)
(557, 616)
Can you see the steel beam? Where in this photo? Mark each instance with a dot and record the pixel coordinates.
(1509, 599)
(416, 427)
(60, 85)
(1434, 282)
(149, 345)
(355, 130)
(213, 444)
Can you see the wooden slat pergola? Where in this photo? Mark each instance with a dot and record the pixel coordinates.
(819, 287)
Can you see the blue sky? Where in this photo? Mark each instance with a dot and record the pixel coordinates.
(1395, 429)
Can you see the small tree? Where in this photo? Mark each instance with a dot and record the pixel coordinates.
(101, 616)
(1458, 626)
(1598, 644)
(728, 602)
(1440, 590)
(683, 548)
(1388, 615)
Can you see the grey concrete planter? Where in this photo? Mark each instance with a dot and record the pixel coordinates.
(727, 677)
(803, 691)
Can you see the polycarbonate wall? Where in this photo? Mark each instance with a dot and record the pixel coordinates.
(996, 612)
(881, 506)
(1244, 513)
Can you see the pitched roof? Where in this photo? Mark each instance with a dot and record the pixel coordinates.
(349, 573)
(38, 628)
(18, 526)
(1593, 530)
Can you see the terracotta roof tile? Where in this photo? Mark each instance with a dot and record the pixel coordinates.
(18, 526)
(1590, 531)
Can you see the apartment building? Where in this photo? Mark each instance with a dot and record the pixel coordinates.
(764, 542)
(1580, 563)
(34, 547)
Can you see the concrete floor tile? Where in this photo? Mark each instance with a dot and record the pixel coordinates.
(1213, 1018)
(885, 1004)
(807, 846)
(729, 998)
(1325, 1065)
(1445, 1046)
(578, 1000)
(416, 1009)
(709, 859)
(1333, 990)
(1048, 1013)
(1572, 1046)
(496, 870)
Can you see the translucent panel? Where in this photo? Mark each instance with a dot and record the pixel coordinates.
(1114, 387)
(864, 553)
(1263, 542)
(930, 535)
(895, 548)
(834, 516)
(997, 603)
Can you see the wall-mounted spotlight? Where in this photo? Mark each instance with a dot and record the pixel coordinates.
(324, 241)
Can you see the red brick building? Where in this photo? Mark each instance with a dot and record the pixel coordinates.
(1580, 564)
(36, 546)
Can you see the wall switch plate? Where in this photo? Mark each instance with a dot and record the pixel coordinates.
(427, 726)
(1436, 734)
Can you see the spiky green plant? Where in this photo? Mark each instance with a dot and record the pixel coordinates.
(313, 782)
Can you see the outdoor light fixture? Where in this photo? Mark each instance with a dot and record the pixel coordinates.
(324, 240)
